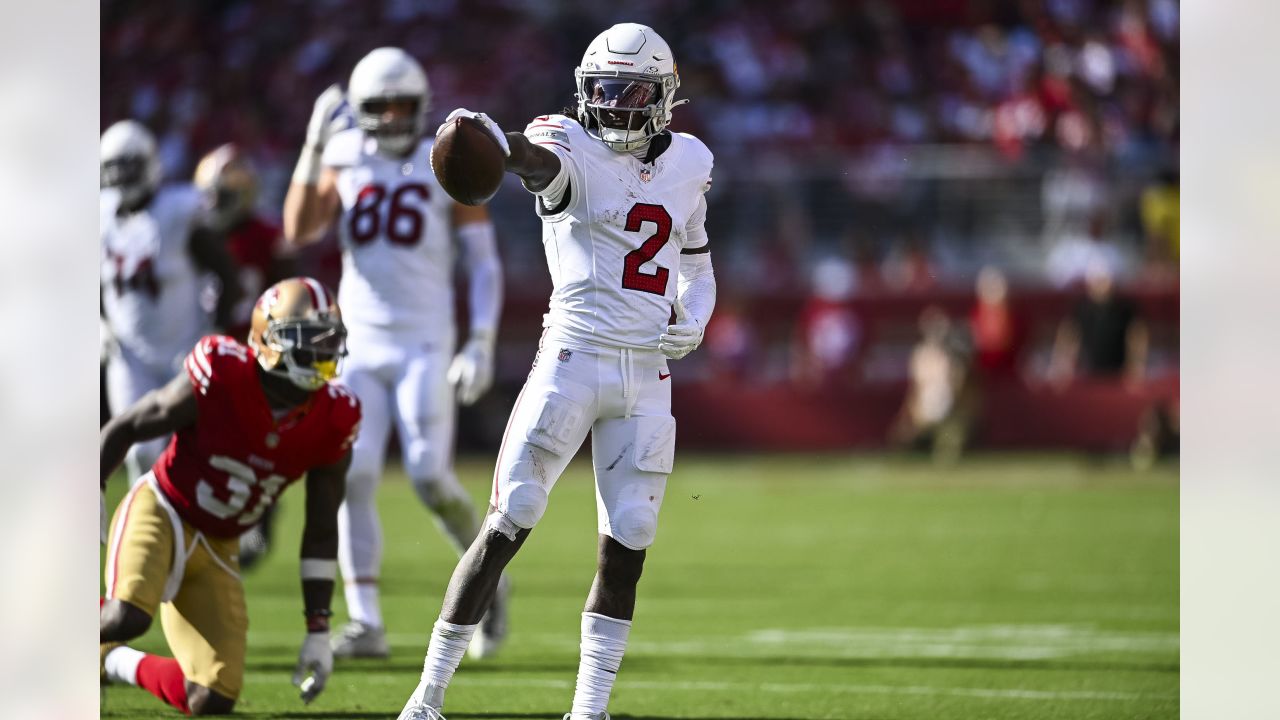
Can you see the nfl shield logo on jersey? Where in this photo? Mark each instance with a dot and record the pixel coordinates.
(645, 174)
(564, 355)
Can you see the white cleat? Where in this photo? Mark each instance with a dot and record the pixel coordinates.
(358, 640)
(413, 711)
(598, 716)
(493, 626)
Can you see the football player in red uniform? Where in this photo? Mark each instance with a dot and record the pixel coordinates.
(246, 421)
(228, 182)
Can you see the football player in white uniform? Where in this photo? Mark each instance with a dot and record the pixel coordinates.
(156, 247)
(623, 211)
(397, 229)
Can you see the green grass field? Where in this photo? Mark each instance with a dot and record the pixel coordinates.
(787, 587)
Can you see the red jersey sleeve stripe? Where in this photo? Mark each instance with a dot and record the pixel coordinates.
(550, 125)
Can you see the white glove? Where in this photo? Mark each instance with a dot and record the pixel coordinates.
(330, 115)
(471, 372)
(315, 664)
(102, 514)
(683, 337)
(485, 120)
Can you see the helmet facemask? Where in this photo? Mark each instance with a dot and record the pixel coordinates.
(129, 175)
(310, 351)
(399, 133)
(624, 110)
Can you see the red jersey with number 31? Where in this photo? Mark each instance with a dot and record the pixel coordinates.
(224, 471)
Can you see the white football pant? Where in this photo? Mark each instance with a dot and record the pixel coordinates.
(401, 380)
(624, 398)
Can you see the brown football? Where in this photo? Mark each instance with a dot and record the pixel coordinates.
(468, 161)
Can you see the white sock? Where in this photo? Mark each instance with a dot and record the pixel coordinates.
(604, 640)
(448, 645)
(122, 663)
(362, 602)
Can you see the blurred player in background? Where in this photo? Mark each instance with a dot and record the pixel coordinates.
(623, 212)
(228, 184)
(156, 246)
(397, 228)
(247, 421)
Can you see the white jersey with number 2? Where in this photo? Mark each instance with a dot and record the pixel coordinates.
(396, 233)
(614, 249)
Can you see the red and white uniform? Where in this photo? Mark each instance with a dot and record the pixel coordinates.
(222, 473)
(613, 251)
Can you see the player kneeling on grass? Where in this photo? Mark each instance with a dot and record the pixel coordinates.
(623, 210)
(247, 421)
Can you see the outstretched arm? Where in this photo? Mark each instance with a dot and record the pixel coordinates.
(535, 165)
(325, 489)
(158, 413)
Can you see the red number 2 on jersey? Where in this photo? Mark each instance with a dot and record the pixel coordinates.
(632, 277)
(404, 220)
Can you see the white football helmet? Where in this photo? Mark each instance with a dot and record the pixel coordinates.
(627, 86)
(384, 76)
(129, 161)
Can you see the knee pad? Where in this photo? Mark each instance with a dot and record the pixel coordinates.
(633, 497)
(439, 490)
(635, 522)
(526, 498)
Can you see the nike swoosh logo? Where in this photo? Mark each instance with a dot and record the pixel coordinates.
(663, 377)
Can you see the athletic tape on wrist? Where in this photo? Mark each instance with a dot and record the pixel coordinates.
(307, 171)
(317, 569)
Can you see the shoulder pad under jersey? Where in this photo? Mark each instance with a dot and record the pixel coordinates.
(217, 360)
(344, 149)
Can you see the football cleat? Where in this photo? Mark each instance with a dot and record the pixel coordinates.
(359, 640)
(493, 627)
(598, 716)
(297, 332)
(415, 711)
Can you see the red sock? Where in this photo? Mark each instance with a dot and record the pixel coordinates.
(162, 677)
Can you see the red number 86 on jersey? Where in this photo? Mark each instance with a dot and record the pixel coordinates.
(402, 216)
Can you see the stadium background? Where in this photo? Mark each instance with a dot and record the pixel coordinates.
(871, 158)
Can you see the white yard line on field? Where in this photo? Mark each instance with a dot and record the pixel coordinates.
(918, 690)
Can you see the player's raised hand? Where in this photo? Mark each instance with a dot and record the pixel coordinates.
(471, 372)
(330, 115)
(483, 119)
(315, 664)
(682, 338)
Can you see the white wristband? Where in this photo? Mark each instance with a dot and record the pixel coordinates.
(307, 171)
(316, 569)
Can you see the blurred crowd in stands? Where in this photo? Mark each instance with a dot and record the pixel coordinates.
(920, 138)
(959, 152)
